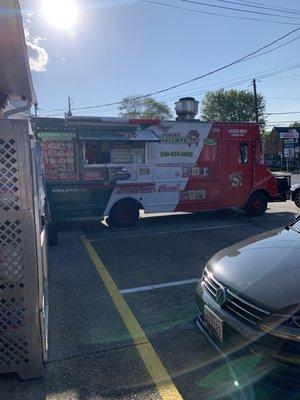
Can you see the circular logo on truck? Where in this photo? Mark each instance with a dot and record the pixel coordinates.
(235, 179)
(193, 137)
(221, 295)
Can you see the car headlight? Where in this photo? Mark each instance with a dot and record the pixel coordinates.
(284, 324)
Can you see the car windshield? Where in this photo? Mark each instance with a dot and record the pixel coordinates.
(295, 225)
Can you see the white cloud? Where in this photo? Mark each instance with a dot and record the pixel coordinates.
(38, 56)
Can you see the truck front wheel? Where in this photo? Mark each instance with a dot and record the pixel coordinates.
(124, 214)
(256, 205)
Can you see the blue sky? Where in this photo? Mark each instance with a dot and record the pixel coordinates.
(121, 47)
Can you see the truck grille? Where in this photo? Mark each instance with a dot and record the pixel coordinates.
(239, 308)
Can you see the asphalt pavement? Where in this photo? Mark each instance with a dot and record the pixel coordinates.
(122, 314)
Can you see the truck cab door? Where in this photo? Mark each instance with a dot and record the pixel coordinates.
(237, 172)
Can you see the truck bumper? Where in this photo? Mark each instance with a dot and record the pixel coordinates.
(283, 185)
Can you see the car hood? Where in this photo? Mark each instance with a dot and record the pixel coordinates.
(295, 186)
(265, 269)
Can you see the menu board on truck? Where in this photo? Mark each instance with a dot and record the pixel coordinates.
(59, 160)
(127, 153)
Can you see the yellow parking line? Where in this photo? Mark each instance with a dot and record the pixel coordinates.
(158, 372)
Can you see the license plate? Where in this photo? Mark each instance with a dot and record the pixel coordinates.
(213, 323)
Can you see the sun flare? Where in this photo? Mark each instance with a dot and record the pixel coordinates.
(61, 13)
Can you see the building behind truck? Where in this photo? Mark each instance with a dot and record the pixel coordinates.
(115, 166)
(282, 148)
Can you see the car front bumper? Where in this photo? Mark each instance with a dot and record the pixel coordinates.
(238, 336)
(291, 193)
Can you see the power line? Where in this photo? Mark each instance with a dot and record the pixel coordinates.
(277, 71)
(236, 83)
(270, 73)
(283, 98)
(164, 99)
(281, 122)
(244, 58)
(193, 93)
(275, 48)
(243, 79)
(255, 3)
(258, 5)
(217, 14)
(291, 76)
(285, 112)
(237, 9)
(228, 83)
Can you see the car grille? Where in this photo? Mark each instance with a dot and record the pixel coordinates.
(241, 309)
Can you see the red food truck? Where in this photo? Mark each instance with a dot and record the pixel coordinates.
(114, 166)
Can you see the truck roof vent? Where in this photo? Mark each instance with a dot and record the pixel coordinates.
(186, 108)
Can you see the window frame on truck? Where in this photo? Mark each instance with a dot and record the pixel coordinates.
(115, 134)
(242, 158)
(115, 142)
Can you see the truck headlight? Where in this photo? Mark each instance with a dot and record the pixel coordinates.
(284, 324)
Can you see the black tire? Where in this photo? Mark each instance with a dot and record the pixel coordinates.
(256, 205)
(296, 197)
(124, 214)
(52, 234)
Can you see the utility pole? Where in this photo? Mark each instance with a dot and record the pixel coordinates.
(69, 113)
(255, 100)
(36, 109)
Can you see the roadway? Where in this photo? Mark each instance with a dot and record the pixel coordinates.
(122, 314)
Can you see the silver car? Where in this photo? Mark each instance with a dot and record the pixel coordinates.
(295, 194)
(249, 294)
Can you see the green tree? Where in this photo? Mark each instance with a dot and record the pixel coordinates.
(264, 133)
(232, 106)
(147, 107)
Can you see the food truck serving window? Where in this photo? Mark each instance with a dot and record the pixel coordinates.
(102, 152)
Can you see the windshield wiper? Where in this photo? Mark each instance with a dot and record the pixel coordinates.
(288, 227)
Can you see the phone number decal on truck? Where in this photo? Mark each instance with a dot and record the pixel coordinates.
(176, 154)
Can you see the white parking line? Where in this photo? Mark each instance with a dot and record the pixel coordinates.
(203, 228)
(158, 286)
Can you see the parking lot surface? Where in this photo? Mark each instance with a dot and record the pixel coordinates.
(122, 314)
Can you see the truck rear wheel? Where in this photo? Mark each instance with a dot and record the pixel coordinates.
(297, 198)
(256, 205)
(124, 214)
